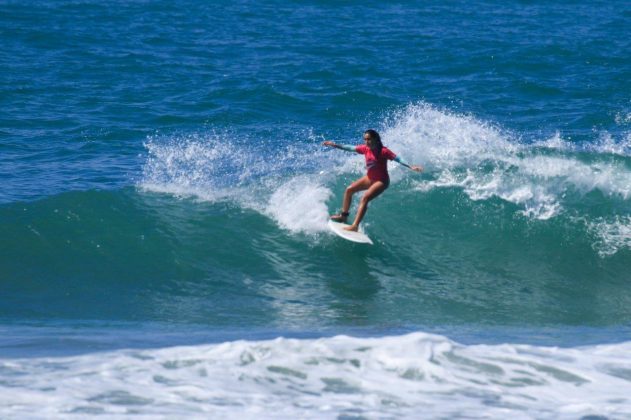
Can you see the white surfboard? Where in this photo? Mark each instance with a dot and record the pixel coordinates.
(338, 229)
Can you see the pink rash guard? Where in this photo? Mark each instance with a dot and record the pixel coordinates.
(377, 166)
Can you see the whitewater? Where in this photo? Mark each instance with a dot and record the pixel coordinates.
(409, 376)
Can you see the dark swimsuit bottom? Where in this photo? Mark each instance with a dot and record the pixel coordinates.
(386, 182)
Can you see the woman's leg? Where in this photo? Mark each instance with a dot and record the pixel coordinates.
(373, 192)
(361, 184)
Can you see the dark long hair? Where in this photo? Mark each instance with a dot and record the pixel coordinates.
(376, 137)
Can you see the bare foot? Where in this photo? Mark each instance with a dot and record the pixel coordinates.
(339, 218)
(351, 228)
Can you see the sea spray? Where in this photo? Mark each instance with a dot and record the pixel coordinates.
(460, 151)
(300, 205)
(543, 180)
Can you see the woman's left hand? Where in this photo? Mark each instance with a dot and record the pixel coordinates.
(416, 168)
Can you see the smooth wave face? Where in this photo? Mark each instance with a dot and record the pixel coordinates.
(415, 375)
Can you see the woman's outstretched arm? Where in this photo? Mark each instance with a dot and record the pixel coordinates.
(415, 168)
(345, 147)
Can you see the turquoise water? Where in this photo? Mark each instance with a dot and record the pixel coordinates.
(163, 184)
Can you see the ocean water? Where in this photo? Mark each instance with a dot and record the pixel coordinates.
(164, 197)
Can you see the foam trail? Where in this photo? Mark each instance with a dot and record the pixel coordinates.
(327, 377)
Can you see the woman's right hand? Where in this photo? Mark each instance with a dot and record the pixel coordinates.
(328, 143)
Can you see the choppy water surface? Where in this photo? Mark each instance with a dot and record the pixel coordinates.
(164, 197)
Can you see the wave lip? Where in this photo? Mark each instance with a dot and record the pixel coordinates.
(388, 376)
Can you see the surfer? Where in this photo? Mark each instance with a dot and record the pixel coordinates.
(374, 182)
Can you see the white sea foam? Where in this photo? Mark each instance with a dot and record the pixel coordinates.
(299, 205)
(555, 142)
(612, 234)
(604, 143)
(623, 118)
(193, 165)
(485, 162)
(417, 375)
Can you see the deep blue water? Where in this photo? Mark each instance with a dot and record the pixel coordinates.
(162, 180)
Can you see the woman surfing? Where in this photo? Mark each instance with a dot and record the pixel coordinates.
(374, 182)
